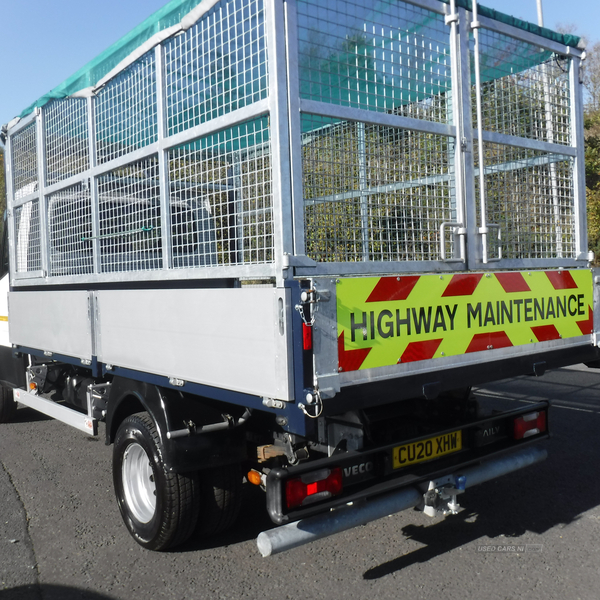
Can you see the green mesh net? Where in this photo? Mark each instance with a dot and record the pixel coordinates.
(174, 12)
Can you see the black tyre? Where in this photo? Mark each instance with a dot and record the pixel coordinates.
(8, 406)
(159, 508)
(221, 491)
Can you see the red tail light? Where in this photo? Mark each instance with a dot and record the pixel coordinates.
(306, 336)
(313, 487)
(529, 424)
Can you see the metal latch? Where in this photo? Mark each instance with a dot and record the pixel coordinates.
(459, 231)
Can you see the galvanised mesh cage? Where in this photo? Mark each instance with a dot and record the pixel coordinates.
(28, 241)
(374, 192)
(342, 130)
(126, 116)
(25, 161)
(70, 231)
(221, 199)
(130, 218)
(217, 66)
(67, 139)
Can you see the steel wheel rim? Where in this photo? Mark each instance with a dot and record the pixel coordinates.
(138, 483)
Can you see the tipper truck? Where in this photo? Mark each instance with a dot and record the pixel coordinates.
(277, 243)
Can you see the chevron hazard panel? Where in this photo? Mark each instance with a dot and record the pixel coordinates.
(384, 321)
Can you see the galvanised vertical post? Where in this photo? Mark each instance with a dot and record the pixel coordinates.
(10, 221)
(93, 182)
(457, 117)
(295, 126)
(577, 141)
(42, 204)
(465, 138)
(279, 135)
(163, 160)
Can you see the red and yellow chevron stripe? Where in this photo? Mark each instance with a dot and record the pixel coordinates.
(384, 321)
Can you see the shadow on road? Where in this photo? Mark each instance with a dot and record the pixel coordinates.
(50, 592)
(556, 492)
(252, 520)
(27, 415)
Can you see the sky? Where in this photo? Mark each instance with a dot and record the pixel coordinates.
(42, 42)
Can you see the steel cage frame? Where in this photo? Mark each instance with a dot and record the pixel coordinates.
(284, 107)
(268, 107)
(467, 226)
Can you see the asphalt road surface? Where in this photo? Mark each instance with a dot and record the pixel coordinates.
(532, 534)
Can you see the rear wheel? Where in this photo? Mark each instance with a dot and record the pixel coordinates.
(8, 406)
(221, 491)
(159, 508)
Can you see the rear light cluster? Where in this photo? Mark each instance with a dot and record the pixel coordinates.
(530, 424)
(313, 487)
(306, 336)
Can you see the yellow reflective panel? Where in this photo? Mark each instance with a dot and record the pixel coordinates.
(384, 321)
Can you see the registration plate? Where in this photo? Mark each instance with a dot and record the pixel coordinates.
(434, 447)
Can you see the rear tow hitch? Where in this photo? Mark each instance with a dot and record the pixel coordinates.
(439, 496)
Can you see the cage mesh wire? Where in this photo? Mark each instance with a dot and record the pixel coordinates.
(387, 56)
(371, 193)
(525, 89)
(374, 193)
(27, 236)
(70, 231)
(217, 66)
(530, 194)
(130, 218)
(67, 139)
(221, 198)
(24, 160)
(126, 116)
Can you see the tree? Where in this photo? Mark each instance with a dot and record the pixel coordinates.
(592, 177)
(590, 76)
(591, 82)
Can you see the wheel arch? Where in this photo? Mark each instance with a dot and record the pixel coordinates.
(168, 408)
(128, 397)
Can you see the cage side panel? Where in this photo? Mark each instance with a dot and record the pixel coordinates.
(375, 193)
(230, 339)
(530, 199)
(53, 321)
(126, 110)
(104, 211)
(217, 66)
(385, 57)
(24, 162)
(221, 198)
(130, 218)
(67, 139)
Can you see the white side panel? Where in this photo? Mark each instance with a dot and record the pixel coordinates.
(4, 341)
(52, 321)
(228, 338)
